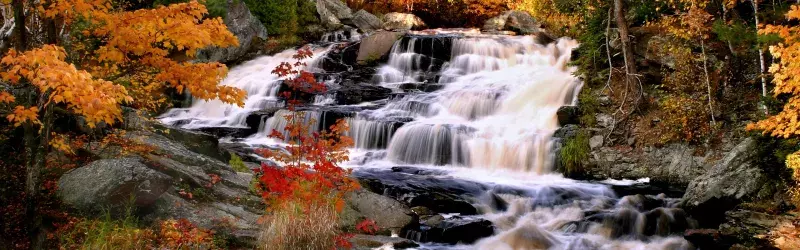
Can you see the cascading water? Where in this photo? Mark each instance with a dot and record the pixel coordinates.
(483, 106)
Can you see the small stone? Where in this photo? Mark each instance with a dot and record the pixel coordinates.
(596, 141)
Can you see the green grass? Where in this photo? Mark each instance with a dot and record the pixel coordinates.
(574, 152)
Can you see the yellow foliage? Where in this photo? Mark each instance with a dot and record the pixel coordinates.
(786, 72)
(545, 11)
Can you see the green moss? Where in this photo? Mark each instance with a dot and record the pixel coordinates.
(238, 165)
(574, 152)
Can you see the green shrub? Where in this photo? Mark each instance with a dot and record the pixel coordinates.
(284, 17)
(574, 152)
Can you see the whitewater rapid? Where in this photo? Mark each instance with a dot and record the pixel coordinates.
(481, 107)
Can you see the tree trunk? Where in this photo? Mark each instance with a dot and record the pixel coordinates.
(708, 83)
(21, 43)
(761, 61)
(622, 26)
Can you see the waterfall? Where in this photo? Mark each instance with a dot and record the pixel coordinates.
(505, 91)
(256, 78)
(466, 106)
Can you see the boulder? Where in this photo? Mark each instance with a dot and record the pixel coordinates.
(391, 216)
(245, 27)
(366, 21)
(497, 23)
(377, 46)
(454, 230)
(514, 20)
(112, 184)
(567, 115)
(402, 21)
(726, 184)
(362, 241)
(333, 13)
(522, 22)
(354, 93)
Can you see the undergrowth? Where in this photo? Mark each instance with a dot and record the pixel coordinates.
(574, 152)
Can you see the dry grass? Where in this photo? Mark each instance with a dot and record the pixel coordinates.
(296, 228)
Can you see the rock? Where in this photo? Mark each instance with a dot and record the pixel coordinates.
(237, 220)
(111, 184)
(333, 13)
(702, 238)
(567, 115)
(338, 8)
(195, 141)
(522, 23)
(402, 21)
(758, 230)
(497, 23)
(417, 187)
(362, 241)
(453, 230)
(246, 27)
(377, 46)
(726, 184)
(604, 120)
(422, 211)
(351, 93)
(391, 216)
(566, 132)
(514, 20)
(366, 21)
(596, 141)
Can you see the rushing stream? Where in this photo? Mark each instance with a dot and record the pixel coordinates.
(472, 108)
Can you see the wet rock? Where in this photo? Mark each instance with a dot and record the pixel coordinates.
(246, 27)
(366, 21)
(362, 241)
(567, 115)
(354, 93)
(566, 132)
(726, 184)
(441, 194)
(402, 21)
(454, 230)
(391, 216)
(111, 184)
(377, 46)
(703, 238)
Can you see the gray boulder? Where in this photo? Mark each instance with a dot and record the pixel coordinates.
(727, 183)
(112, 184)
(377, 45)
(333, 13)
(245, 26)
(366, 22)
(522, 23)
(402, 21)
(389, 215)
(514, 20)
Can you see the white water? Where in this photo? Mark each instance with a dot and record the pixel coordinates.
(491, 121)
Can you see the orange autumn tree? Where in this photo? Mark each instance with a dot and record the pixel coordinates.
(303, 185)
(114, 57)
(786, 77)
